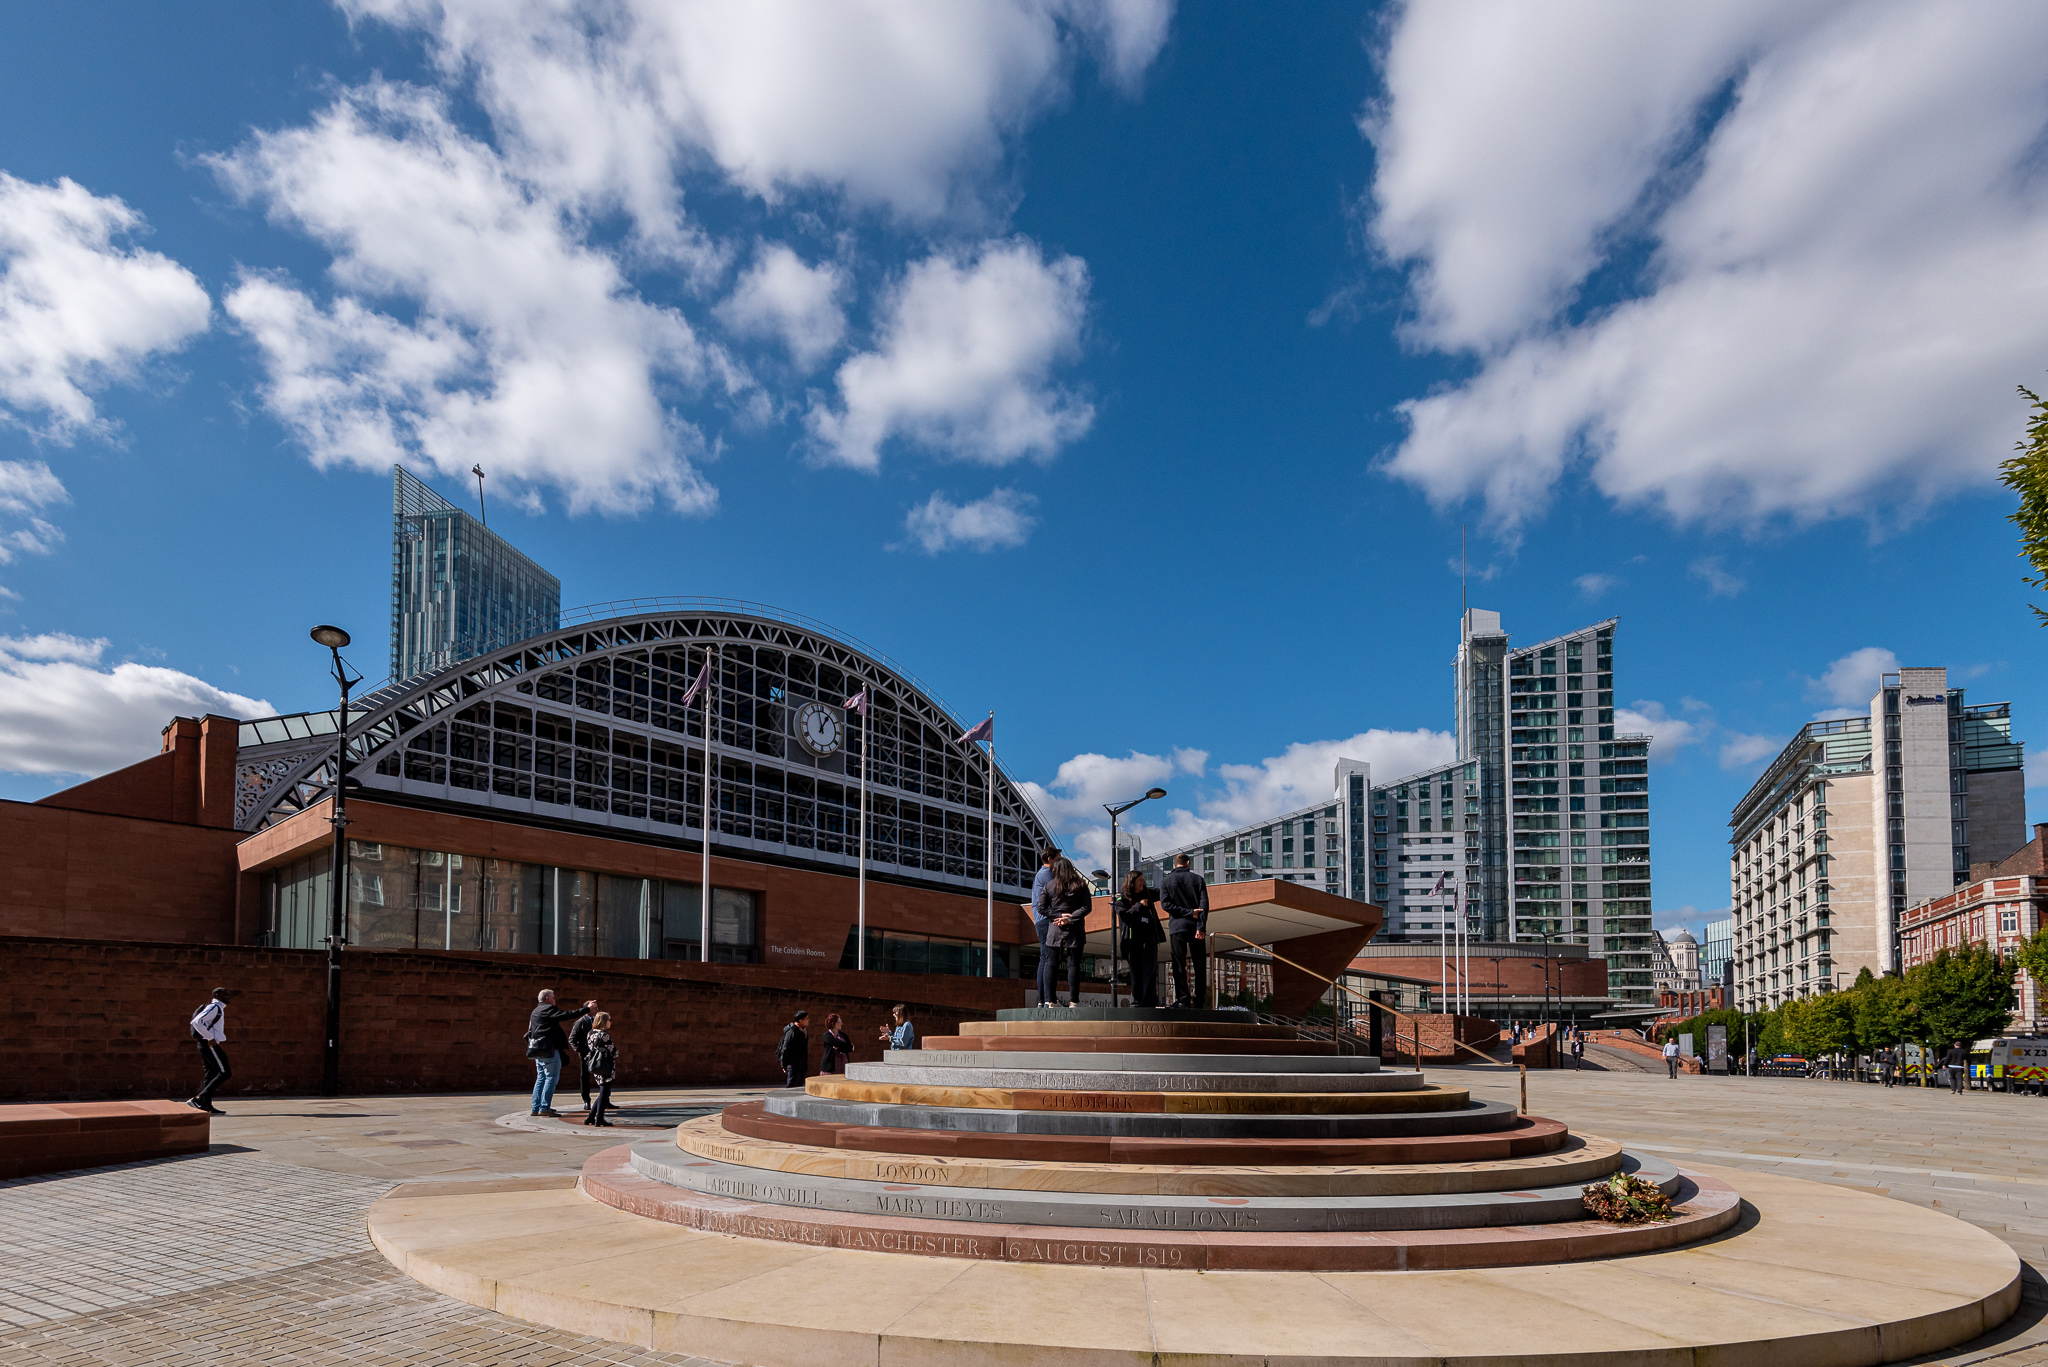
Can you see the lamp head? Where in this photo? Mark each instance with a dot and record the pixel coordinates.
(334, 638)
(1102, 873)
(1155, 792)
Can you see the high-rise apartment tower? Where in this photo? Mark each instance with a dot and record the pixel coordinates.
(458, 589)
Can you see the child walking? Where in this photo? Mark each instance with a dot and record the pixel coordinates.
(602, 1065)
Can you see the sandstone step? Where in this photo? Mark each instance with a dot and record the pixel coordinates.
(1107, 1080)
(1145, 1044)
(1476, 1115)
(1132, 1029)
(1227, 1016)
(1580, 1159)
(1242, 1212)
(1108, 1102)
(1705, 1207)
(1195, 1062)
(1522, 1136)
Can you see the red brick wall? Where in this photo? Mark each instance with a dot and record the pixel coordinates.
(88, 876)
(98, 1020)
(1437, 1032)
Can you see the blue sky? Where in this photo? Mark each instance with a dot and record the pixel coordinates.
(1129, 371)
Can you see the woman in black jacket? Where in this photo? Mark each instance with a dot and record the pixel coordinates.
(1137, 912)
(1072, 896)
(838, 1045)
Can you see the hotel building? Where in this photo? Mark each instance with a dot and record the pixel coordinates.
(1859, 818)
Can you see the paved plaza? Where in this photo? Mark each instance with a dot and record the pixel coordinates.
(256, 1252)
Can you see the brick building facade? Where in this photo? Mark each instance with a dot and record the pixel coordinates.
(2002, 904)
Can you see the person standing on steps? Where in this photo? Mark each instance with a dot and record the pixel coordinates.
(1072, 896)
(1671, 1056)
(793, 1052)
(1041, 921)
(1185, 896)
(1137, 910)
(544, 1045)
(210, 1028)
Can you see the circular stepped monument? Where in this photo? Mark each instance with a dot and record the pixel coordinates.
(1107, 1144)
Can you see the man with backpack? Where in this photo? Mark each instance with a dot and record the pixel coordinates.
(210, 1028)
(544, 1045)
(794, 1052)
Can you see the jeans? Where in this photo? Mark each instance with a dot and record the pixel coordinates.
(603, 1102)
(1046, 964)
(214, 1060)
(1189, 953)
(547, 1071)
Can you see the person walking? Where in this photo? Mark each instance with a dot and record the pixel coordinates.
(1041, 921)
(545, 1043)
(838, 1046)
(1888, 1067)
(1578, 1051)
(1137, 911)
(1671, 1057)
(1753, 1061)
(1957, 1061)
(899, 1033)
(793, 1052)
(1185, 896)
(579, 1045)
(600, 1065)
(1072, 896)
(209, 1026)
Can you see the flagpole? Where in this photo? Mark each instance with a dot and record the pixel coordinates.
(860, 954)
(704, 924)
(988, 850)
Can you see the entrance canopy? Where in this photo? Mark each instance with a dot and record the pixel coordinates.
(1318, 930)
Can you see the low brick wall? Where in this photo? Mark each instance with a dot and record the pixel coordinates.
(1535, 1049)
(1437, 1032)
(91, 1020)
(62, 1136)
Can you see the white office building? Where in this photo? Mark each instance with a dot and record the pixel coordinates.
(1321, 845)
(1858, 818)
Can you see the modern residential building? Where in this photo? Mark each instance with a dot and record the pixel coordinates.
(458, 589)
(1717, 952)
(1552, 771)
(2001, 905)
(1838, 837)
(1321, 845)
(1425, 851)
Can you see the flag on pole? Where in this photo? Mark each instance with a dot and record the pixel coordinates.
(857, 703)
(703, 677)
(1439, 884)
(986, 731)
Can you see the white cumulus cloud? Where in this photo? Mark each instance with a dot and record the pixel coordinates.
(1303, 773)
(78, 309)
(1668, 734)
(902, 104)
(1851, 682)
(63, 712)
(797, 304)
(1827, 223)
(999, 520)
(1740, 750)
(1596, 585)
(962, 364)
(511, 339)
(1712, 570)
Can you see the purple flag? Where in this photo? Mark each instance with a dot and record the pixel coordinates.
(857, 703)
(703, 677)
(1439, 884)
(986, 731)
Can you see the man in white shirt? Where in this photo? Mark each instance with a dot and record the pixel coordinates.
(210, 1029)
(1671, 1056)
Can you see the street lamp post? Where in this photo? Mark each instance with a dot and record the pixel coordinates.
(1116, 811)
(334, 638)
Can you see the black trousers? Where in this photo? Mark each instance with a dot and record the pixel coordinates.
(792, 1075)
(1144, 960)
(214, 1060)
(1189, 952)
(603, 1102)
(583, 1075)
(1055, 956)
(1046, 965)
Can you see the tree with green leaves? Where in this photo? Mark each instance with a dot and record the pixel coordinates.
(1885, 1015)
(2026, 474)
(1962, 995)
(2031, 954)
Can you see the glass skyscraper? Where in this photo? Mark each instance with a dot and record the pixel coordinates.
(458, 589)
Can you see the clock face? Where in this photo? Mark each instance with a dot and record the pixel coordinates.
(818, 729)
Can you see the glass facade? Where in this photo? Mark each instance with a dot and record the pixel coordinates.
(909, 951)
(401, 898)
(1321, 846)
(457, 589)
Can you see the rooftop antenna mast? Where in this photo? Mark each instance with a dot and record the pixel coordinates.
(1464, 606)
(482, 516)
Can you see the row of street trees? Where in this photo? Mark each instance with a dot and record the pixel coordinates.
(1965, 994)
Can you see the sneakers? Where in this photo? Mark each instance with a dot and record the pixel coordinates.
(195, 1104)
(550, 1112)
